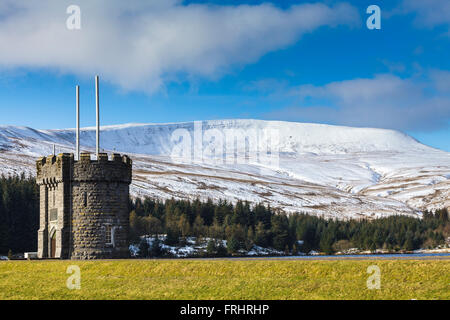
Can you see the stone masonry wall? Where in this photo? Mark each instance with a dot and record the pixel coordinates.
(100, 198)
(53, 178)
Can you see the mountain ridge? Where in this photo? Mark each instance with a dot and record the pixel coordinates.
(331, 171)
(320, 131)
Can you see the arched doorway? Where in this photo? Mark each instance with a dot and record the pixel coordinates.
(53, 245)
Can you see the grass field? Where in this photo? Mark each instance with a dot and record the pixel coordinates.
(225, 279)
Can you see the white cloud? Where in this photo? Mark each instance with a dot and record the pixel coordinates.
(429, 13)
(441, 79)
(140, 45)
(385, 101)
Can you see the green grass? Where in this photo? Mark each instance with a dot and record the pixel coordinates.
(225, 279)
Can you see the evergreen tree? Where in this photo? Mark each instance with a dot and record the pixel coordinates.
(144, 248)
(261, 235)
(211, 249)
(233, 245)
(156, 248)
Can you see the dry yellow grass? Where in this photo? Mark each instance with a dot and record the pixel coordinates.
(225, 279)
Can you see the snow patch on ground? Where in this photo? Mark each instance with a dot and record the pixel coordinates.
(260, 251)
(194, 248)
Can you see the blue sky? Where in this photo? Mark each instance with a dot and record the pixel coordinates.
(176, 61)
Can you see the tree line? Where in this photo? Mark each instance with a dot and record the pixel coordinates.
(244, 226)
(241, 224)
(19, 214)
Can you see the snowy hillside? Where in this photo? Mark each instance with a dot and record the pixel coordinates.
(155, 139)
(326, 170)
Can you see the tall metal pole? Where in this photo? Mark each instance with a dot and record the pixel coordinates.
(78, 122)
(97, 89)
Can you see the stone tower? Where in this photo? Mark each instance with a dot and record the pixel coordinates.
(83, 206)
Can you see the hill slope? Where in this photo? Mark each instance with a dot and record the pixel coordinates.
(327, 170)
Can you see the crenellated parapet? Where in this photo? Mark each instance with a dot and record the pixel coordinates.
(117, 169)
(54, 169)
(62, 167)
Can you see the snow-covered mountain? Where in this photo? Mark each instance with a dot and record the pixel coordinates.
(327, 170)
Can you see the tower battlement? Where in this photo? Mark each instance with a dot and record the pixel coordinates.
(56, 168)
(118, 169)
(53, 169)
